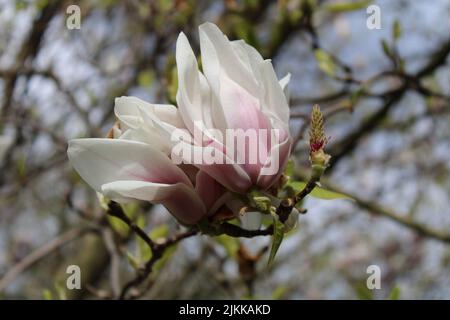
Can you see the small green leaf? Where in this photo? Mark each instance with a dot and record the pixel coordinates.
(118, 226)
(47, 294)
(386, 49)
(145, 252)
(346, 6)
(356, 95)
(325, 62)
(395, 294)
(168, 253)
(165, 5)
(145, 78)
(290, 168)
(244, 29)
(160, 231)
(173, 85)
(141, 221)
(106, 3)
(41, 4)
(277, 238)
(318, 192)
(362, 292)
(396, 30)
(21, 166)
(259, 201)
(60, 290)
(21, 4)
(130, 209)
(231, 245)
(133, 261)
(143, 10)
(279, 292)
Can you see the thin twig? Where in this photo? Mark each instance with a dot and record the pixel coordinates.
(115, 210)
(39, 254)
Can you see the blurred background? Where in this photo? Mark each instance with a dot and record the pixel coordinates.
(385, 94)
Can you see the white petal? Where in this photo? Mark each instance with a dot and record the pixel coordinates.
(152, 123)
(149, 137)
(249, 56)
(192, 95)
(168, 113)
(285, 81)
(284, 85)
(218, 56)
(275, 99)
(100, 161)
(126, 110)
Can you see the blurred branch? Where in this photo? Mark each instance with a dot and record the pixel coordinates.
(157, 253)
(349, 143)
(108, 239)
(157, 249)
(115, 210)
(376, 209)
(41, 253)
(29, 50)
(236, 231)
(351, 140)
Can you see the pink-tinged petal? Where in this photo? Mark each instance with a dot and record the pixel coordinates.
(181, 201)
(220, 203)
(277, 160)
(242, 110)
(250, 124)
(231, 176)
(219, 166)
(100, 161)
(208, 189)
(190, 170)
(235, 205)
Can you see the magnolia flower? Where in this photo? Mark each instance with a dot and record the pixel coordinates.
(238, 90)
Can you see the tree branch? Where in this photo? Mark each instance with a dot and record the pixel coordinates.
(39, 254)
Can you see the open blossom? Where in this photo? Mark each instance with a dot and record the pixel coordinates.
(237, 90)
